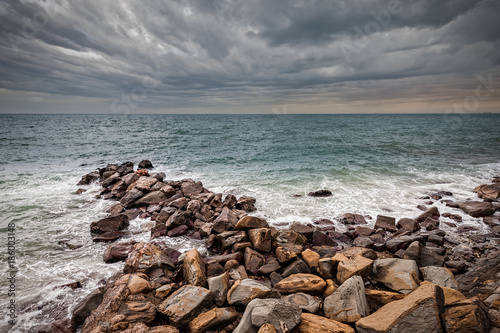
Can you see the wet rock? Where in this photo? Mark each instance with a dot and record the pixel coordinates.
(477, 208)
(378, 298)
(313, 323)
(430, 224)
(89, 178)
(151, 198)
(219, 286)
(213, 319)
(112, 223)
(409, 225)
(489, 192)
(320, 238)
(178, 231)
(400, 275)
(250, 222)
(386, 223)
(366, 242)
(246, 203)
(244, 291)
(225, 221)
(109, 236)
(261, 239)
(138, 284)
(194, 268)
(440, 276)
(253, 260)
(320, 194)
(185, 304)
(311, 258)
(353, 219)
(110, 178)
(72, 244)
(295, 267)
(466, 316)
(131, 196)
(137, 311)
(58, 326)
(357, 265)
(307, 283)
(305, 301)
(85, 307)
(302, 229)
(288, 252)
(432, 212)
(146, 256)
(454, 217)
(420, 311)
(347, 304)
(401, 242)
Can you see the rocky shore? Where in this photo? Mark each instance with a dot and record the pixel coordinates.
(394, 276)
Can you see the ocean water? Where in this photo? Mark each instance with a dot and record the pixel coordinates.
(373, 164)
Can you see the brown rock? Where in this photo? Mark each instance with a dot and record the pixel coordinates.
(378, 298)
(311, 258)
(288, 252)
(295, 267)
(320, 194)
(212, 320)
(470, 315)
(253, 260)
(267, 328)
(305, 301)
(138, 284)
(477, 208)
(117, 252)
(151, 198)
(386, 223)
(190, 188)
(407, 224)
(397, 274)
(430, 224)
(109, 236)
(312, 323)
(270, 267)
(228, 238)
(165, 290)
(219, 286)
(302, 282)
(331, 287)
(358, 265)
(302, 229)
(146, 256)
(246, 203)
(108, 224)
(489, 192)
(137, 311)
(225, 221)
(194, 269)
(261, 239)
(432, 212)
(250, 222)
(353, 219)
(244, 291)
(348, 303)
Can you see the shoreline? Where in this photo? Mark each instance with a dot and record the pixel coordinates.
(254, 260)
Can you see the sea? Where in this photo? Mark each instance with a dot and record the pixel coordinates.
(374, 164)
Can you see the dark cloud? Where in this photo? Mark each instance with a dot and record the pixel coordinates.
(245, 55)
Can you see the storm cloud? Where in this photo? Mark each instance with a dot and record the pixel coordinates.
(263, 56)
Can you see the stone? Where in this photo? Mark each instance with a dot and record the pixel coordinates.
(303, 229)
(267, 328)
(225, 221)
(386, 222)
(419, 312)
(270, 267)
(253, 260)
(317, 324)
(137, 311)
(246, 203)
(353, 219)
(138, 284)
(146, 256)
(238, 273)
(441, 276)
(144, 183)
(400, 275)
(109, 236)
(430, 224)
(358, 265)
(178, 231)
(213, 319)
(228, 238)
(194, 268)
(408, 224)
(305, 301)
(244, 291)
(73, 244)
(327, 267)
(185, 304)
(432, 212)
(319, 238)
(128, 199)
(331, 287)
(214, 269)
(366, 242)
(250, 222)
(190, 189)
(165, 290)
(180, 203)
(89, 178)
(311, 258)
(488, 192)
(429, 257)
(348, 303)
(219, 286)
(477, 208)
(320, 194)
(288, 252)
(261, 239)
(452, 296)
(401, 242)
(302, 282)
(151, 198)
(470, 315)
(283, 316)
(295, 267)
(84, 308)
(108, 224)
(378, 298)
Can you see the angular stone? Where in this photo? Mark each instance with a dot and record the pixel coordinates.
(131, 196)
(117, 252)
(194, 269)
(401, 242)
(244, 291)
(246, 203)
(311, 258)
(366, 242)
(302, 229)
(489, 192)
(386, 222)
(347, 304)
(288, 252)
(295, 267)
(228, 238)
(441, 276)
(477, 208)
(312, 323)
(408, 224)
(307, 283)
(267, 328)
(144, 183)
(213, 319)
(331, 287)
(165, 290)
(185, 304)
(261, 239)
(109, 224)
(219, 286)
(397, 274)
(430, 258)
(251, 222)
(305, 301)
(85, 307)
(378, 298)
(246, 324)
(109, 236)
(253, 260)
(430, 224)
(432, 212)
(190, 189)
(320, 238)
(353, 219)
(137, 311)
(225, 221)
(270, 267)
(466, 316)
(138, 284)
(146, 256)
(358, 265)
(151, 198)
(282, 315)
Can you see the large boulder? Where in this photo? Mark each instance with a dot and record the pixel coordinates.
(128, 199)
(470, 315)
(419, 312)
(219, 286)
(441, 276)
(307, 283)
(261, 239)
(145, 164)
(117, 252)
(109, 224)
(190, 188)
(253, 260)
(194, 268)
(244, 291)
(400, 275)
(477, 208)
(151, 198)
(212, 320)
(348, 303)
(185, 304)
(246, 203)
(432, 212)
(251, 222)
(317, 324)
(225, 221)
(489, 192)
(145, 257)
(357, 265)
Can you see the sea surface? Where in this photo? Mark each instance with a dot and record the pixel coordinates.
(373, 164)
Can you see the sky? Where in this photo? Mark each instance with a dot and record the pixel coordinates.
(249, 56)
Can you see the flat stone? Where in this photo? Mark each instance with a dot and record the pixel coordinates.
(305, 301)
(109, 224)
(358, 265)
(219, 286)
(288, 252)
(146, 256)
(386, 222)
(213, 319)
(378, 298)
(251, 222)
(432, 212)
(477, 208)
(151, 198)
(137, 311)
(347, 304)
(282, 315)
(397, 274)
(244, 291)
(408, 224)
(295, 267)
(312, 323)
(470, 315)
(307, 283)
(441, 276)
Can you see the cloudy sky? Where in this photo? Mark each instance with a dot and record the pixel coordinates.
(243, 56)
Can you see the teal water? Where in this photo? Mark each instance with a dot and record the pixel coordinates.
(373, 164)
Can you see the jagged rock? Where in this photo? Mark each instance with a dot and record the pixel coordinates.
(469, 315)
(178, 231)
(138, 284)
(366, 242)
(146, 256)
(251, 222)
(212, 320)
(283, 237)
(194, 268)
(225, 221)
(303, 229)
(137, 311)
(397, 274)
(295, 267)
(353, 219)
(408, 224)
(319, 238)
(430, 224)
(401, 242)
(261, 239)
(430, 258)
(311, 258)
(327, 267)
(131, 196)
(190, 189)
(440, 276)
(110, 178)
(244, 291)
(386, 222)
(108, 224)
(151, 198)
(378, 298)
(253, 260)
(165, 290)
(270, 267)
(58, 326)
(418, 312)
(432, 212)
(89, 178)
(357, 265)
(320, 194)
(85, 307)
(219, 286)
(347, 304)
(317, 324)
(246, 203)
(180, 203)
(238, 273)
(117, 252)
(305, 301)
(288, 252)
(307, 283)
(477, 208)
(185, 304)
(489, 192)
(267, 328)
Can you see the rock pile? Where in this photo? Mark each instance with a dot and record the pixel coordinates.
(399, 276)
